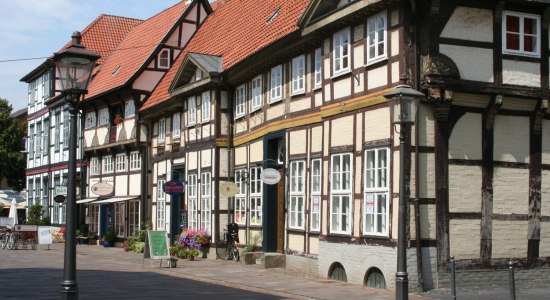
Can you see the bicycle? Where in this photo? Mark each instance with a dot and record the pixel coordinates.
(7, 240)
(227, 249)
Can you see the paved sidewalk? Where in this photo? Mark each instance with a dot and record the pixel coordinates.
(109, 273)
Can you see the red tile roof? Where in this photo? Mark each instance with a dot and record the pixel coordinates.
(236, 30)
(134, 51)
(105, 33)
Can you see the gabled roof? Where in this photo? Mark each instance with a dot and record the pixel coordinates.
(209, 64)
(234, 31)
(135, 50)
(101, 36)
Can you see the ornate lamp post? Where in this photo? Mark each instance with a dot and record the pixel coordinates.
(404, 105)
(74, 67)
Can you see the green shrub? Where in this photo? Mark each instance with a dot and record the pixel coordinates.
(254, 244)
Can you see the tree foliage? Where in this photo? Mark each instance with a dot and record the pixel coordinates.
(37, 216)
(12, 160)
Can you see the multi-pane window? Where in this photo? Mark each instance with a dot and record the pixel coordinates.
(164, 59)
(104, 116)
(120, 216)
(176, 125)
(93, 217)
(521, 34)
(121, 162)
(192, 201)
(298, 75)
(57, 131)
(46, 138)
(240, 197)
(376, 38)
(206, 209)
(129, 109)
(94, 166)
(39, 134)
(257, 98)
(65, 129)
(191, 111)
(90, 119)
(276, 84)
(317, 71)
(162, 130)
(45, 189)
(340, 193)
(239, 101)
(341, 50)
(376, 189)
(30, 195)
(107, 164)
(133, 217)
(135, 160)
(161, 204)
(31, 142)
(205, 106)
(315, 205)
(255, 196)
(297, 194)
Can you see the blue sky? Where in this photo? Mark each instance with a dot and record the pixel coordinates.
(37, 28)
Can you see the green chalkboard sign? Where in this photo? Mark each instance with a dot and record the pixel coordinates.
(159, 248)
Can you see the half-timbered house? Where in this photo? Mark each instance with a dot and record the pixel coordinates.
(115, 140)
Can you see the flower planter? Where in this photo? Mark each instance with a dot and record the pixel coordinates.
(173, 262)
(107, 244)
(191, 257)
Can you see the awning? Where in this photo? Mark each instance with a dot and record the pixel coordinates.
(113, 200)
(86, 200)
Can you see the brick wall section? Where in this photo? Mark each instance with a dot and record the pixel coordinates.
(511, 191)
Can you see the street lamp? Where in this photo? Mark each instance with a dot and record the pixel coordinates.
(74, 67)
(404, 105)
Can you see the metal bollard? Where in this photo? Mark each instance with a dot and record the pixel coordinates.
(512, 280)
(453, 284)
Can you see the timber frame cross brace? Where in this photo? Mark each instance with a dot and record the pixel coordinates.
(540, 112)
(492, 110)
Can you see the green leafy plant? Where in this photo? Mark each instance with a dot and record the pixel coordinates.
(254, 244)
(109, 236)
(37, 216)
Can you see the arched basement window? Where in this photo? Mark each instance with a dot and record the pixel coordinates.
(337, 272)
(375, 279)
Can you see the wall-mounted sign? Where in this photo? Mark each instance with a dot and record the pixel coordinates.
(173, 187)
(270, 176)
(102, 189)
(60, 190)
(228, 189)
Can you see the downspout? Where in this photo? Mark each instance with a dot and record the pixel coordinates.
(144, 169)
(418, 235)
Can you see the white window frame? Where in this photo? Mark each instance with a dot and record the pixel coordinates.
(317, 75)
(164, 59)
(94, 166)
(276, 91)
(120, 162)
(161, 204)
(298, 75)
(377, 37)
(376, 189)
(31, 142)
(135, 160)
(65, 129)
(108, 164)
(192, 201)
(341, 52)
(104, 116)
(240, 197)
(297, 194)
(257, 95)
(205, 106)
(341, 187)
(129, 109)
(240, 100)
(162, 130)
(255, 188)
(90, 119)
(176, 125)
(315, 198)
(206, 204)
(191, 111)
(521, 34)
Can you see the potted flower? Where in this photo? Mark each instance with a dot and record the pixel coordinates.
(118, 119)
(191, 253)
(109, 238)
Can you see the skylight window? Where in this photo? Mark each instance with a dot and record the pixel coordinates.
(273, 15)
(115, 70)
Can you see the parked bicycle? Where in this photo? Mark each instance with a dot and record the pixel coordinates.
(227, 249)
(7, 239)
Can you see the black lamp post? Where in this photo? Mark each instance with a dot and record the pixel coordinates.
(404, 104)
(74, 67)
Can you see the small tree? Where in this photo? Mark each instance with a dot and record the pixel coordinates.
(37, 216)
(12, 161)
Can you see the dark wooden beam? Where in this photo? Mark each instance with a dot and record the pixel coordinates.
(487, 171)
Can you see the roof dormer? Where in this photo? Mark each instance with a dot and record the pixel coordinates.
(196, 72)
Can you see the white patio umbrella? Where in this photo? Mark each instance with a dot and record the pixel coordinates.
(13, 211)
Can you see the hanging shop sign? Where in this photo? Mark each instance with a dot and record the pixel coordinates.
(173, 187)
(228, 189)
(102, 189)
(270, 176)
